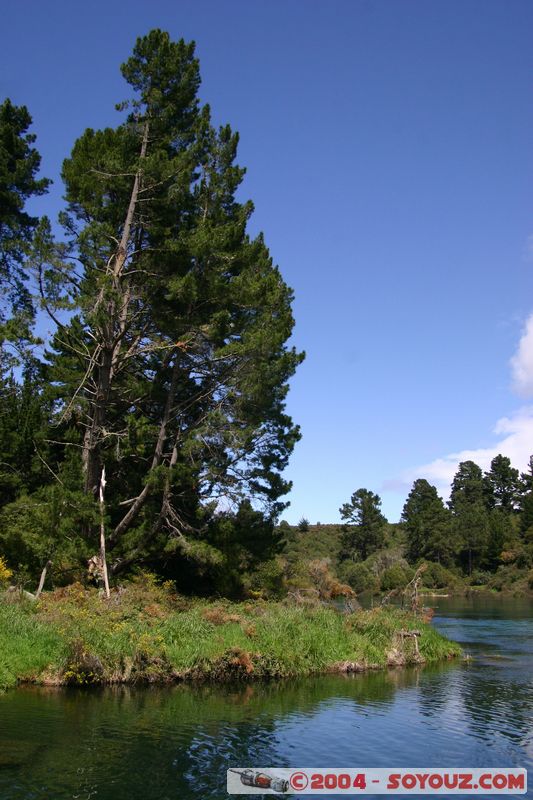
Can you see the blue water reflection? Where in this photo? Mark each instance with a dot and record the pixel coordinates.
(165, 744)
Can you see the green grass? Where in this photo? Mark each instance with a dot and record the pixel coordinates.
(144, 633)
(27, 646)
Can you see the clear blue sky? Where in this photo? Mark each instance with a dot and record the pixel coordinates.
(389, 147)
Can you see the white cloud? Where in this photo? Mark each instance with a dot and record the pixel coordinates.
(514, 432)
(515, 441)
(522, 362)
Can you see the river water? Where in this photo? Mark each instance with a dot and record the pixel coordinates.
(176, 743)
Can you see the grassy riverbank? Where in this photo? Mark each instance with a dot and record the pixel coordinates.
(145, 633)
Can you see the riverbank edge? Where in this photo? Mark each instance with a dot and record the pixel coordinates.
(146, 635)
(473, 591)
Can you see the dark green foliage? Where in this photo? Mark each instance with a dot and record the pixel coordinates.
(471, 527)
(25, 452)
(323, 542)
(19, 165)
(481, 506)
(188, 303)
(483, 509)
(47, 525)
(502, 485)
(480, 577)
(428, 525)
(359, 576)
(172, 368)
(366, 530)
(229, 554)
(502, 532)
(526, 522)
(468, 486)
(527, 477)
(395, 577)
(268, 580)
(526, 503)
(438, 577)
(303, 525)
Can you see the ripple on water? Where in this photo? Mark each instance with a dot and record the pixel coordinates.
(144, 744)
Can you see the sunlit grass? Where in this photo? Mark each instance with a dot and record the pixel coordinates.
(146, 633)
(27, 646)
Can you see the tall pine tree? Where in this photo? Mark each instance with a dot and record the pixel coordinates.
(172, 372)
(365, 532)
(502, 485)
(19, 165)
(428, 525)
(467, 486)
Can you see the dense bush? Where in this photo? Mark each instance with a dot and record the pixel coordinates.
(480, 577)
(396, 577)
(359, 576)
(524, 557)
(267, 580)
(509, 576)
(385, 559)
(438, 577)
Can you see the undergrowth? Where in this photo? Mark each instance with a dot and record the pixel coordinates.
(144, 632)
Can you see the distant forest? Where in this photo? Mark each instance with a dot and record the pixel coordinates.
(482, 537)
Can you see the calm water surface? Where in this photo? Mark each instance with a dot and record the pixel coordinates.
(170, 744)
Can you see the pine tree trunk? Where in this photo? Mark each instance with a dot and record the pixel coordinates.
(93, 435)
(111, 338)
(103, 558)
(139, 502)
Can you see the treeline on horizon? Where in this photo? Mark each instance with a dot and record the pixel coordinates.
(483, 534)
(147, 429)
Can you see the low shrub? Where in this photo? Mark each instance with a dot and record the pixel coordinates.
(82, 667)
(359, 577)
(508, 577)
(480, 577)
(268, 580)
(385, 559)
(438, 577)
(5, 573)
(396, 577)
